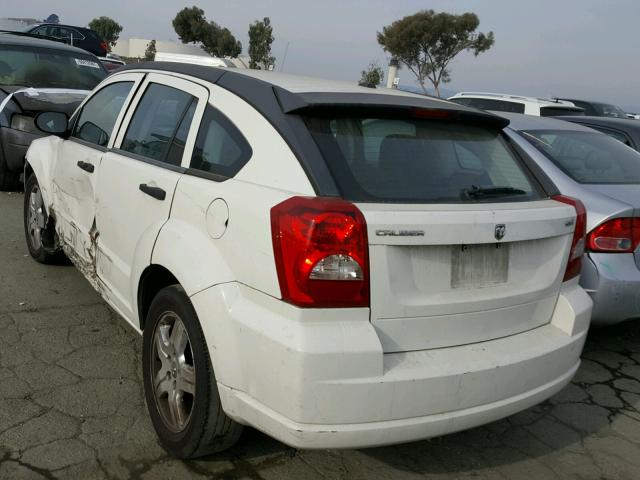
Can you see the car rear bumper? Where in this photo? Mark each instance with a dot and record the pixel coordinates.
(613, 281)
(319, 379)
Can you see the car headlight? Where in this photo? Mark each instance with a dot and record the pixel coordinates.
(24, 123)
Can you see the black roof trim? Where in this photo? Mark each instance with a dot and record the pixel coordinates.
(210, 74)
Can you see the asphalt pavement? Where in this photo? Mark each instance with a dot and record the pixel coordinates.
(72, 406)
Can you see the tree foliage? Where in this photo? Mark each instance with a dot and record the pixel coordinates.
(192, 26)
(53, 18)
(427, 42)
(260, 40)
(107, 28)
(150, 52)
(189, 24)
(372, 76)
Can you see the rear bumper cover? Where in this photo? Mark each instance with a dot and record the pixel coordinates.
(319, 379)
(613, 282)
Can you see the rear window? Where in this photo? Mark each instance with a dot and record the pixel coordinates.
(490, 104)
(420, 161)
(588, 157)
(557, 111)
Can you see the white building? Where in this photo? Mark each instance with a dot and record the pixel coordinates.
(16, 24)
(135, 47)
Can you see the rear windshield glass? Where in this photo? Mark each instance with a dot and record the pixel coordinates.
(417, 161)
(491, 104)
(557, 111)
(48, 68)
(588, 157)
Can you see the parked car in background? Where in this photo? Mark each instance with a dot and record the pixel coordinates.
(358, 267)
(501, 102)
(36, 75)
(618, 128)
(112, 62)
(80, 37)
(598, 109)
(605, 175)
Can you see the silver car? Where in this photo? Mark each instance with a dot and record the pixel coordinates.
(605, 175)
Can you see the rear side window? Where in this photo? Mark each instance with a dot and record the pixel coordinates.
(588, 157)
(98, 116)
(420, 161)
(156, 121)
(490, 104)
(220, 147)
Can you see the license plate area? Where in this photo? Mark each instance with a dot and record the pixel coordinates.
(481, 265)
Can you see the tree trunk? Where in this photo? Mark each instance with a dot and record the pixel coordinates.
(436, 86)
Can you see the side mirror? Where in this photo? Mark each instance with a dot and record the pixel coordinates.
(55, 123)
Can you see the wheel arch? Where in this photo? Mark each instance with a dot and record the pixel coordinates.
(40, 161)
(153, 279)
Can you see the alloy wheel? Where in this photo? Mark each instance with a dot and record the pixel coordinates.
(173, 369)
(36, 217)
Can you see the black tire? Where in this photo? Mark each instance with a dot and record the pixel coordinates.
(207, 429)
(9, 181)
(47, 249)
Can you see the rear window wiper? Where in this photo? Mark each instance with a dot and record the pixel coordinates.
(484, 192)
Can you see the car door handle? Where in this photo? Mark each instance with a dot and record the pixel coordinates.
(155, 192)
(86, 166)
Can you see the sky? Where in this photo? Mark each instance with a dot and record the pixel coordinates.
(565, 48)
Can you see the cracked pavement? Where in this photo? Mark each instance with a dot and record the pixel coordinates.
(72, 406)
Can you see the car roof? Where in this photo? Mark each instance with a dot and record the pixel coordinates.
(58, 25)
(508, 96)
(8, 38)
(520, 121)
(620, 123)
(267, 90)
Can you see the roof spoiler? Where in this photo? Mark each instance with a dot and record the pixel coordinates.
(319, 102)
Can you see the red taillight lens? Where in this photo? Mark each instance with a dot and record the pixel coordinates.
(104, 46)
(577, 245)
(620, 235)
(321, 252)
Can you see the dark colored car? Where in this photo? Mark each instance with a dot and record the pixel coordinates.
(598, 109)
(80, 37)
(112, 64)
(37, 75)
(627, 131)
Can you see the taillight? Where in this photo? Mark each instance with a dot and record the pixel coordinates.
(104, 46)
(577, 245)
(321, 252)
(620, 235)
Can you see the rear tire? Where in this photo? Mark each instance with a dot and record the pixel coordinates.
(39, 228)
(179, 382)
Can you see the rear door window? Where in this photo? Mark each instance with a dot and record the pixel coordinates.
(156, 121)
(588, 157)
(415, 161)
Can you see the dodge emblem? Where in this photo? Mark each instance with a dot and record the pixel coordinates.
(501, 230)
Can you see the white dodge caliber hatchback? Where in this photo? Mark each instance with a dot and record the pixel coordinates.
(336, 266)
